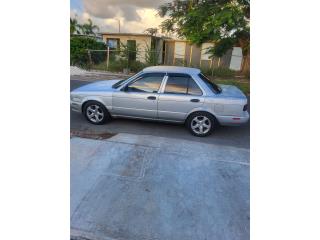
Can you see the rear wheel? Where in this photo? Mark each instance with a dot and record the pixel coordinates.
(95, 112)
(201, 124)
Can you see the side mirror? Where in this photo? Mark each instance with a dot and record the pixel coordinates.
(124, 89)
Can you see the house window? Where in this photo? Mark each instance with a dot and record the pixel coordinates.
(179, 50)
(113, 43)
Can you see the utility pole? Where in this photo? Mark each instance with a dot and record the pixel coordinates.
(118, 24)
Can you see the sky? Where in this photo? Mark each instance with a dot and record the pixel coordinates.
(135, 15)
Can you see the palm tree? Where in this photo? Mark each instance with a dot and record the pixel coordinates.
(75, 27)
(89, 28)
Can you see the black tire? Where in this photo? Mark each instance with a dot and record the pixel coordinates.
(207, 120)
(99, 111)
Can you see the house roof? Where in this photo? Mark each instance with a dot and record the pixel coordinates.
(172, 69)
(128, 34)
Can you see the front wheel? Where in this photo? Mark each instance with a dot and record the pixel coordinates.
(201, 124)
(95, 112)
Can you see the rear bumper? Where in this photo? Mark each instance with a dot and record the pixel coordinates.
(75, 106)
(233, 120)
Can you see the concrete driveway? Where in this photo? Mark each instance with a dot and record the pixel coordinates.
(145, 187)
(228, 136)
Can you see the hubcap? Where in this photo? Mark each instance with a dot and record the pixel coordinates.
(95, 113)
(201, 125)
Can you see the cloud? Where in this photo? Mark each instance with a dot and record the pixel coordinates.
(119, 8)
(105, 25)
(135, 16)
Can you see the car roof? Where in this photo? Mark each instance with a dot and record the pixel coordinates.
(172, 69)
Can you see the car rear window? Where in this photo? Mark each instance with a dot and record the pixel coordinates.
(213, 87)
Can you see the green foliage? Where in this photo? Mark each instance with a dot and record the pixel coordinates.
(78, 51)
(86, 29)
(151, 31)
(223, 72)
(114, 66)
(136, 66)
(221, 47)
(219, 72)
(151, 55)
(224, 22)
(244, 86)
(128, 55)
(74, 26)
(89, 28)
(119, 65)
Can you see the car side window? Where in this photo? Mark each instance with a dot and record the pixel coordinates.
(149, 83)
(193, 88)
(177, 84)
(181, 84)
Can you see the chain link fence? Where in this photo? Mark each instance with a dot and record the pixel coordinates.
(126, 60)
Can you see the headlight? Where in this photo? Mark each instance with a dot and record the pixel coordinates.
(75, 98)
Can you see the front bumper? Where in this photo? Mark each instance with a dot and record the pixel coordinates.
(76, 106)
(233, 120)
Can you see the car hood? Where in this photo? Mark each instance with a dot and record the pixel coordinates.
(231, 91)
(105, 85)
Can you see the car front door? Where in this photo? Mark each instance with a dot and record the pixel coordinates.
(180, 96)
(139, 98)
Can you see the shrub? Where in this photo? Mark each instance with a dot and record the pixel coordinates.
(117, 65)
(136, 66)
(222, 72)
(79, 54)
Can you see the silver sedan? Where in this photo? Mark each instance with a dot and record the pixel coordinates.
(164, 93)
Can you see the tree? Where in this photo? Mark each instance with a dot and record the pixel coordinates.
(151, 31)
(74, 26)
(224, 22)
(79, 46)
(89, 28)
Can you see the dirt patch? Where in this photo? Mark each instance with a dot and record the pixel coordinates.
(91, 135)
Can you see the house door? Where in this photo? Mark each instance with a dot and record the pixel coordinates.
(131, 45)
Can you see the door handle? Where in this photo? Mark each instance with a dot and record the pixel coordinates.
(195, 100)
(151, 98)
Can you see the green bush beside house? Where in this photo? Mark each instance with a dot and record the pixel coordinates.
(78, 51)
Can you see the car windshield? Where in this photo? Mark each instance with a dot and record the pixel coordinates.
(118, 84)
(214, 87)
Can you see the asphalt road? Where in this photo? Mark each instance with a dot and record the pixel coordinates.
(229, 136)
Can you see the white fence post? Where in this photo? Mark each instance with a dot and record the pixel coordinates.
(108, 50)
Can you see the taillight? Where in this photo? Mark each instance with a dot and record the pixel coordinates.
(245, 107)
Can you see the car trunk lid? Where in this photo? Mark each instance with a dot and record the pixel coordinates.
(231, 91)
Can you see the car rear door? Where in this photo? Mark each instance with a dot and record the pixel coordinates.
(139, 98)
(179, 96)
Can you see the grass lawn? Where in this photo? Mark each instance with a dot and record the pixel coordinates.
(242, 84)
